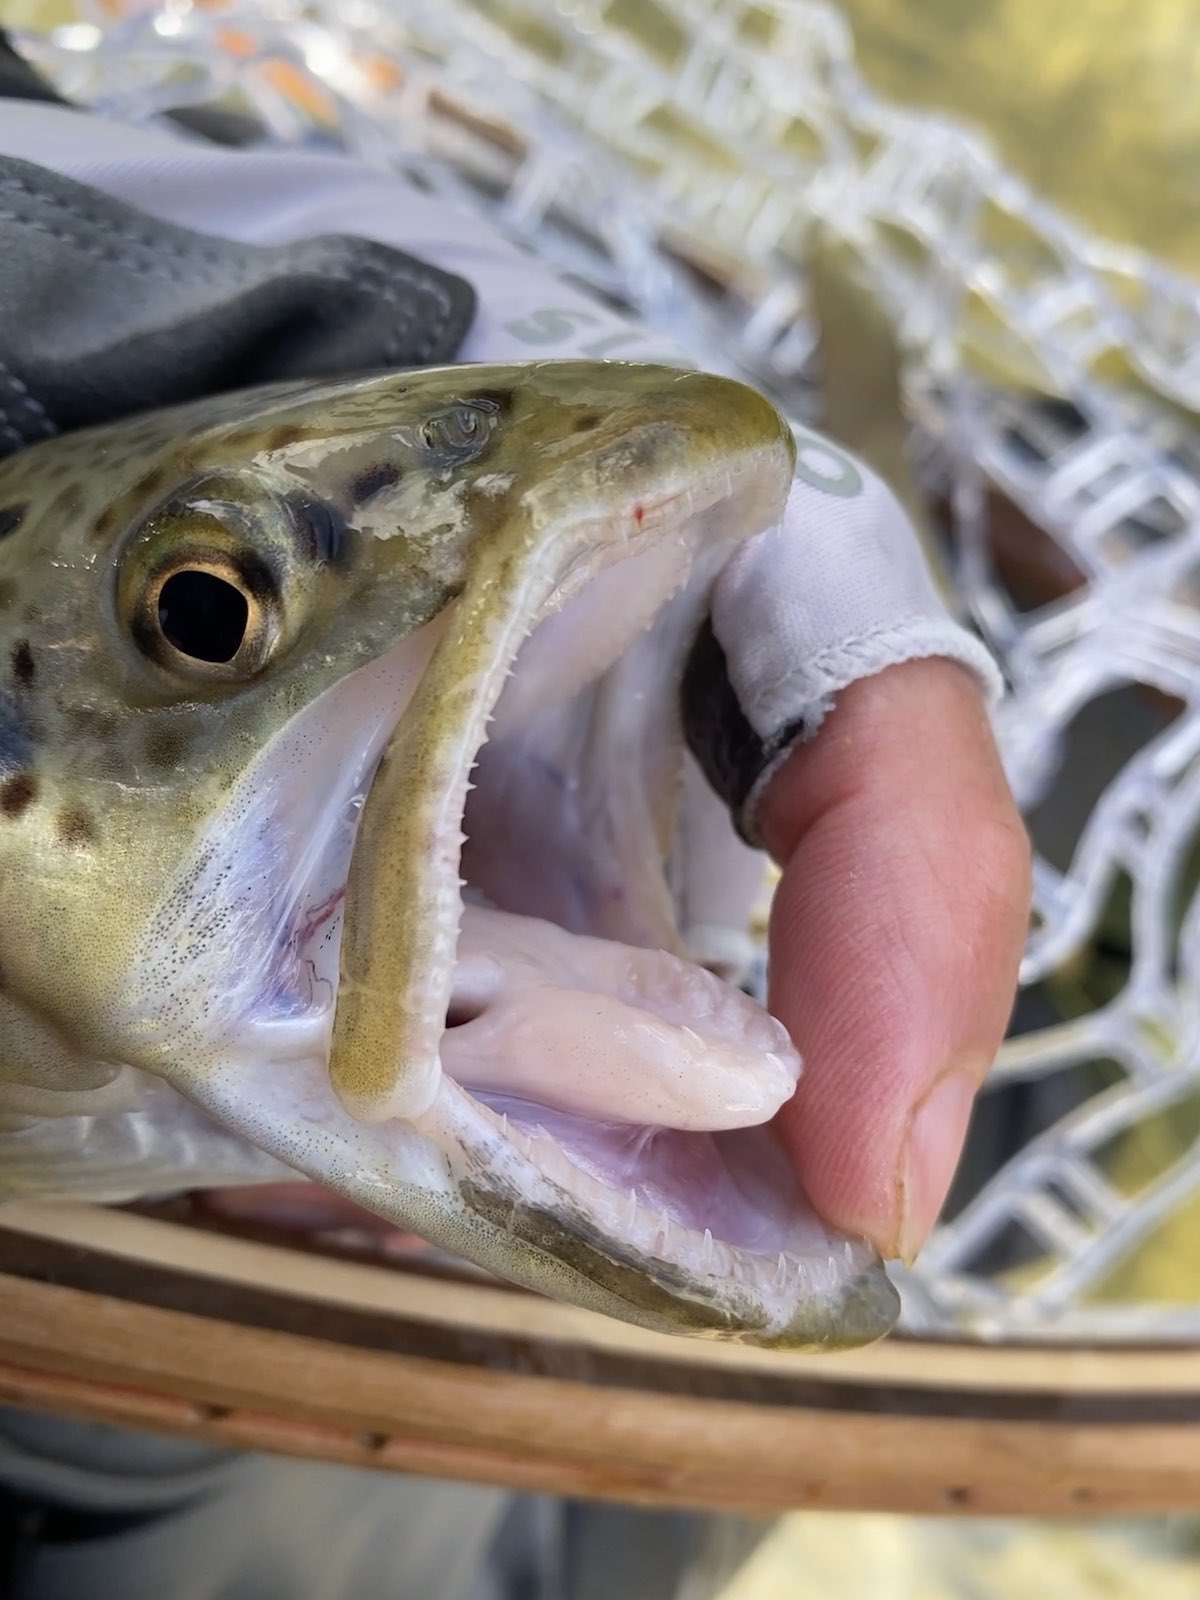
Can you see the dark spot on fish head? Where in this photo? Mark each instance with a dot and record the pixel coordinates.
(18, 793)
(75, 827)
(369, 482)
(105, 524)
(166, 746)
(287, 433)
(24, 670)
(66, 505)
(8, 593)
(586, 421)
(321, 526)
(150, 483)
(257, 574)
(11, 518)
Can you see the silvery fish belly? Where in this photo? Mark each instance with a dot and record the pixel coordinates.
(340, 831)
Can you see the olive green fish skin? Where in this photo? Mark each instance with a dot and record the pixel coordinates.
(349, 517)
(109, 762)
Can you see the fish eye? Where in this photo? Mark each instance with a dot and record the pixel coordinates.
(203, 615)
(208, 615)
(455, 430)
(211, 583)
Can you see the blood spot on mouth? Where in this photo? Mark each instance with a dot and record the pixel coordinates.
(639, 515)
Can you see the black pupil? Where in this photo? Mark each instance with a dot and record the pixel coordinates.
(203, 616)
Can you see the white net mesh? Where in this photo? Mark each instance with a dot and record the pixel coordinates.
(1048, 379)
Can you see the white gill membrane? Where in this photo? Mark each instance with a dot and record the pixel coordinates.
(608, 1031)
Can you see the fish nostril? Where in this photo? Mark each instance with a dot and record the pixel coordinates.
(203, 616)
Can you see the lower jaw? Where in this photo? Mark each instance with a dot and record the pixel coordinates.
(736, 1184)
(511, 1220)
(546, 1182)
(709, 1230)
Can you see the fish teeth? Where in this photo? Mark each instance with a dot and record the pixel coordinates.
(660, 1234)
(546, 1154)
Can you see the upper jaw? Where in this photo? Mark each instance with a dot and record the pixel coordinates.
(668, 530)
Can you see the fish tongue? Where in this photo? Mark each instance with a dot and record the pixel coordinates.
(609, 1031)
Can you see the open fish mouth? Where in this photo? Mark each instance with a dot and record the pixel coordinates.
(475, 1013)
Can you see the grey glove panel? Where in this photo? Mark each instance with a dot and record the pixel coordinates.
(105, 311)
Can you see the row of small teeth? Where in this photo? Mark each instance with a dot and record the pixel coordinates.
(660, 1234)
